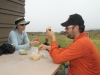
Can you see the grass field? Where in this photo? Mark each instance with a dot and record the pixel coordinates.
(64, 41)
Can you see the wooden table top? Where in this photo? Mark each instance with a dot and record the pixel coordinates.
(15, 64)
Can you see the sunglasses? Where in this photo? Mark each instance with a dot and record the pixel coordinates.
(67, 28)
(23, 25)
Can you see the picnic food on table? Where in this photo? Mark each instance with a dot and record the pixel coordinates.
(45, 56)
(35, 56)
(23, 52)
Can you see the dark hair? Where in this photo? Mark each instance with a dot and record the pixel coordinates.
(17, 21)
(81, 28)
(46, 42)
(16, 28)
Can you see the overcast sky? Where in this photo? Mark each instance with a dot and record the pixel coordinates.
(44, 13)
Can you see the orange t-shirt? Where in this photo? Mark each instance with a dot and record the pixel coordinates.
(82, 54)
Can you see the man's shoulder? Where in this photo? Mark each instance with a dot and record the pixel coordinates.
(84, 39)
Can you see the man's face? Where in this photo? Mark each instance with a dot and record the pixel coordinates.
(70, 32)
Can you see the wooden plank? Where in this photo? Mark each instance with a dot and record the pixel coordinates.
(17, 1)
(9, 11)
(3, 39)
(7, 25)
(12, 6)
(8, 19)
(3, 42)
(4, 32)
(5, 11)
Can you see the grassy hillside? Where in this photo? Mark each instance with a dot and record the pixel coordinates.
(64, 41)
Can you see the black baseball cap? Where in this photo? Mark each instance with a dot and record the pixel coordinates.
(74, 19)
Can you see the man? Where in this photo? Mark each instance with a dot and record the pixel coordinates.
(82, 54)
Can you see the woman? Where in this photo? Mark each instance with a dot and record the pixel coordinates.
(18, 36)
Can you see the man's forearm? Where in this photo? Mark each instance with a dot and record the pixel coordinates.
(54, 39)
(48, 47)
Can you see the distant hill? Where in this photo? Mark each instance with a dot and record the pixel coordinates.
(91, 33)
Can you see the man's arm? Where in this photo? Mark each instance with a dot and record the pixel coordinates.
(60, 55)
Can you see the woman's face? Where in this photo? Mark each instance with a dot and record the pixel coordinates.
(22, 27)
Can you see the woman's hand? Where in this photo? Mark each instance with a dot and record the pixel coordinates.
(37, 39)
(33, 43)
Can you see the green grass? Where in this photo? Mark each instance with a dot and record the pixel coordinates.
(97, 44)
(64, 41)
(61, 40)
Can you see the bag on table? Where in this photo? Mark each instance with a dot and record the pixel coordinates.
(7, 48)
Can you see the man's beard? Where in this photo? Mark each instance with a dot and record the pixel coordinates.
(70, 36)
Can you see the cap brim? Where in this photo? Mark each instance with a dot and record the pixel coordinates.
(24, 22)
(65, 24)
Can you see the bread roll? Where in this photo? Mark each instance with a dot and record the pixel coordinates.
(35, 57)
(23, 53)
(49, 28)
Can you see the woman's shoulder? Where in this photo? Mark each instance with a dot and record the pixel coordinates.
(14, 31)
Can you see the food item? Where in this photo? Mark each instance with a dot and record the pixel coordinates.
(23, 52)
(37, 39)
(49, 28)
(38, 52)
(35, 56)
(44, 56)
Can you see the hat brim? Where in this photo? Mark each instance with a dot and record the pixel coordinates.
(24, 22)
(65, 24)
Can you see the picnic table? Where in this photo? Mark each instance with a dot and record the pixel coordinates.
(15, 64)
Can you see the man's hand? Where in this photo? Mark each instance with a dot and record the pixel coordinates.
(50, 34)
(43, 47)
